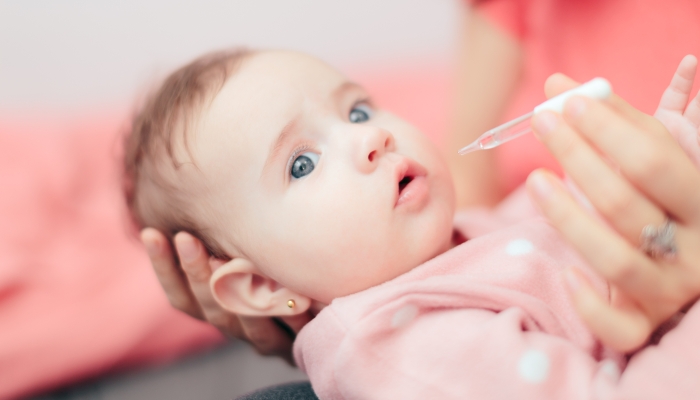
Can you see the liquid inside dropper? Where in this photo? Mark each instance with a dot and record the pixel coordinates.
(500, 134)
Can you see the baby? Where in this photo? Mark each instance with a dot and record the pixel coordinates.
(277, 166)
(280, 164)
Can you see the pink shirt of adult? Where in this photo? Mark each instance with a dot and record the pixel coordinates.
(636, 45)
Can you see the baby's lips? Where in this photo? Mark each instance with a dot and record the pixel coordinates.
(408, 167)
(407, 170)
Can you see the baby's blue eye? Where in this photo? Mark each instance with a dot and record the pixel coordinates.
(304, 164)
(360, 113)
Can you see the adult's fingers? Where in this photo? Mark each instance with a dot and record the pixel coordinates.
(675, 97)
(615, 198)
(171, 278)
(559, 83)
(195, 262)
(657, 292)
(653, 163)
(267, 337)
(296, 322)
(622, 328)
(608, 253)
(692, 112)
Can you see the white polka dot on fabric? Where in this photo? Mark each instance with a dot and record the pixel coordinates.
(533, 366)
(404, 315)
(519, 246)
(610, 369)
(605, 381)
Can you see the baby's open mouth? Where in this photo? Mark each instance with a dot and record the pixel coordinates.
(403, 182)
(412, 185)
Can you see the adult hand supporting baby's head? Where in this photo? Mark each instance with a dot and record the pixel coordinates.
(635, 174)
(188, 290)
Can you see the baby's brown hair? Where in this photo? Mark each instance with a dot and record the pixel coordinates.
(150, 163)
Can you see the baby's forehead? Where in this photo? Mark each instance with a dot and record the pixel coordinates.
(269, 89)
(276, 74)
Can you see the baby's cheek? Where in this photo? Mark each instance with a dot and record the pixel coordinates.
(437, 232)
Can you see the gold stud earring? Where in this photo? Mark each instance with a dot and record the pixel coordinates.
(291, 303)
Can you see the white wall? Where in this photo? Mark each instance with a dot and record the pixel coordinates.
(72, 54)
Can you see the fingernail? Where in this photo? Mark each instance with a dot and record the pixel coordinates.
(152, 246)
(574, 107)
(544, 122)
(186, 249)
(572, 280)
(541, 186)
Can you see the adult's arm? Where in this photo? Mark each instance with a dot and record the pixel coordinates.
(489, 64)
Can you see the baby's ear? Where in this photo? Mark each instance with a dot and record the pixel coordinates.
(239, 287)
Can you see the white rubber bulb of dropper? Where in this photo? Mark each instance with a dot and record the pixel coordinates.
(596, 88)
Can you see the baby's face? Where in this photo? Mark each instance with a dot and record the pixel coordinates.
(323, 192)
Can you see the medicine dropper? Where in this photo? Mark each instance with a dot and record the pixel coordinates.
(596, 88)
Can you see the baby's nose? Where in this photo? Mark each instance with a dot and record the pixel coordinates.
(374, 142)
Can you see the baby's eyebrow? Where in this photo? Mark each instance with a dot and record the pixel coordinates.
(278, 144)
(346, 87)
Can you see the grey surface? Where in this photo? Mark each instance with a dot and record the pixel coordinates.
(225, 373)
(287, 391)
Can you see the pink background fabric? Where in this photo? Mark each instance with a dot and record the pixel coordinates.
(77, 294)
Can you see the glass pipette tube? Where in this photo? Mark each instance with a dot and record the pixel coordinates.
(596, 88)
(500, 134)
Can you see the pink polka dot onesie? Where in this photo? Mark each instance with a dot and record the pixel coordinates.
(489, 319)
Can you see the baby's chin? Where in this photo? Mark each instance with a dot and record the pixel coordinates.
(406, 258)
(447, 243)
